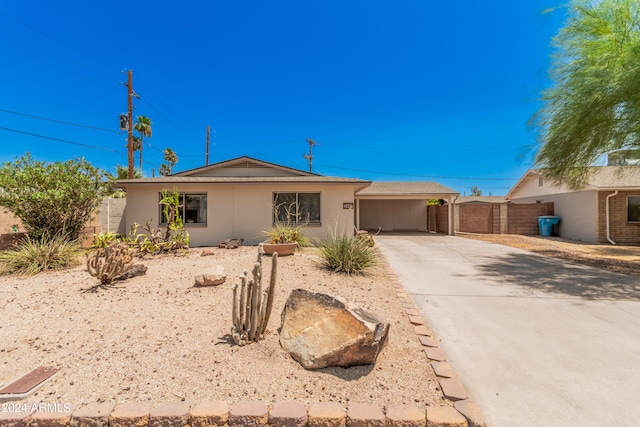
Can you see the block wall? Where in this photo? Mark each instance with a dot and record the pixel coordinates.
(621, 230)
(522, 218)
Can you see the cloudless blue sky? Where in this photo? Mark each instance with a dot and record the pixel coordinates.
(390, 90)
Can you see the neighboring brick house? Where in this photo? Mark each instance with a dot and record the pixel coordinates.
(606, 209)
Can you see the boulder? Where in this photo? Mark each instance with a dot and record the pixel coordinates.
(320, 330)
(212, 277)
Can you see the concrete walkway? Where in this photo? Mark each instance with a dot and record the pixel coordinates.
(535, 340)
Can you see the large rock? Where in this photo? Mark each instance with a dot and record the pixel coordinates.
(212, 277)
(320, 330)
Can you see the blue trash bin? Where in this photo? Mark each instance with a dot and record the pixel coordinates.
(546, 223)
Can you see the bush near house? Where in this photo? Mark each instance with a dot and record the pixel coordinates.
(33, 256)
(347, 253)
(52, 199)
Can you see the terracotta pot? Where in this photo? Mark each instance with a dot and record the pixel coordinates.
(283, 249)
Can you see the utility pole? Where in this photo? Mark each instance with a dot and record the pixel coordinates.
(130, 130)
(130, 95)
(206, 157)
(310, 155)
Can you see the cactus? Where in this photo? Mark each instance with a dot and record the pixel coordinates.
(109, 262)
(252, 304)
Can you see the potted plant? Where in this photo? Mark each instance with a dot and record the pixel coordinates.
(284, 237)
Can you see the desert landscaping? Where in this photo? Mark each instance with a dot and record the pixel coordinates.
(159, 337)
(622, 259)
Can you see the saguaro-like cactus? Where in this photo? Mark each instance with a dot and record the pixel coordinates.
(252, 304)
(109, 262)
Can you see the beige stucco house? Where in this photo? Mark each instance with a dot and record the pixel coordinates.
(606, 209)
(236, 198)
(401, 206)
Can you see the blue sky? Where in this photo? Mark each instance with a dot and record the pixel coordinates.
(396, 91)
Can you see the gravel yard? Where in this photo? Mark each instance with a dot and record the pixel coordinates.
(158, 337)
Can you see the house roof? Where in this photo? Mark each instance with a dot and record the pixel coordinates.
(600, 178)
(242, 179)
(615, 177)
(242, 170)
(245, 162)
(481, 199)
(403, 188)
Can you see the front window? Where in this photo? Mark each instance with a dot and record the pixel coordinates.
(633, 208)
(297, 208)
(192, 210)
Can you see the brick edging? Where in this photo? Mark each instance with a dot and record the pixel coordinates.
(244, 413)
(451, 386)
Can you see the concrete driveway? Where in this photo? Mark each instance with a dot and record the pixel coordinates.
(536, 341)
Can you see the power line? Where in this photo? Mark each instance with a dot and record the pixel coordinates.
(181, 129)
(60, 42)
(59, 121)
(160, 101)
(60, 140)
(420, 176)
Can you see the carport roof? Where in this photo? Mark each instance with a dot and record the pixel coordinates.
(403, 188)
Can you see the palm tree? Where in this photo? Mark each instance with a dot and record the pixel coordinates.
(123, 173)
(172, 158)
(143, 126)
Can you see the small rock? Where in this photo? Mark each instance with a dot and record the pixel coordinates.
(230, 243)
(212, 277)
(207, 252)
(136, 270)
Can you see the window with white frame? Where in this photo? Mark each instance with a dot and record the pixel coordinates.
(297, 208)
(633, 208)
(192, 210)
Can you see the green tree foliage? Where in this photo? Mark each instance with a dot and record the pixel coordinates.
(475, 191)
(171, 158)
(52, 199)
(122, 172)
(143, 127)
(593, 106)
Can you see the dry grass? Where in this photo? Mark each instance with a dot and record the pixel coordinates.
(623, 259)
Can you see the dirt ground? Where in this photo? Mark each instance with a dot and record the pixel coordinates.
(158, 337)
(623, 259)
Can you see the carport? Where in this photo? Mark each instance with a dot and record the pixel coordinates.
(400, 206)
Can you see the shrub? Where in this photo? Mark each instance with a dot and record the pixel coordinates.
(288, 226)
(154, 240)
(109, 262)
(286, 233)
(101, 240)
(347, 254)
(32, 256)
(53, 199)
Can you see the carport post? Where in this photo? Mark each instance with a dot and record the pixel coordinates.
(450, 216)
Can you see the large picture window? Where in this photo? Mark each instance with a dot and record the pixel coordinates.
(297, 208)
(193, 209)
(633, 208)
